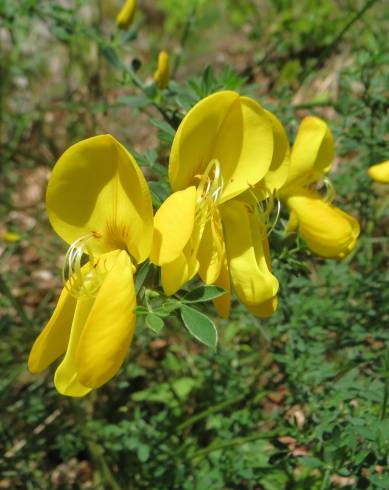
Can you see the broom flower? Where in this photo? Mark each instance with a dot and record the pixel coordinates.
(223, 147)
(327, 230)
(99, 203)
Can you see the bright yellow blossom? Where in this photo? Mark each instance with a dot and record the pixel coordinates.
(162, 73)
(210, 225)
(126, 15)
(380, 172)
(328, 231)
(98, 201)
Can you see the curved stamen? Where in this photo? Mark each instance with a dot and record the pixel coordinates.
(82, 279)
(330, 193)
(265, 208)
(209, 190)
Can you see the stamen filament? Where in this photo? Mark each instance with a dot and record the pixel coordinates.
(209, 190)
(265, 208)
(330, 193)
(82, 280)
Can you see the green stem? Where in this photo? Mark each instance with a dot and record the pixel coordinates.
(324, 483)
(216, 408)
(96, 452)
(239, 441)
(98, 457)
(139, 84)
(386, 387)
(18, 307)
(185, 35)
(312, 105)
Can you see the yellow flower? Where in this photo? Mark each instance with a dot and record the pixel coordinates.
(328, 231)
(162, 73)
(210, 225)
(98, 201)
(380, 172)
(126, 15)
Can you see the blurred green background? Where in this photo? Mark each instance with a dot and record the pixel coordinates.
(298, 401)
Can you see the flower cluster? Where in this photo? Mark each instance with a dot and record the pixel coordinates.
(230, 168)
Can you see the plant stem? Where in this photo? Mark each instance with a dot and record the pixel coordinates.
(96, 452)
(209, 411)
(185, 35)
(239, 441)
(324, 483)
(312, 105)
(333, 44)
(139, 84)
(386, 387)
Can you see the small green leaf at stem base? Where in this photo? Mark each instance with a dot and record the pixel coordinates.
(154, 322)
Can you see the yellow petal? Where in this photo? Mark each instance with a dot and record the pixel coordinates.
(175, 274)
(162, 74)
(327, 230)
(231, 129)
(211, 252)
(244, 237)
(293, 222)
(110, 326)
(97, 187)
(380, 172)
(53, 340)
(125, 16)
(279, 168)
(312, 153)
(223, 303)
(66, 378)
(266, 309)
(173, 226)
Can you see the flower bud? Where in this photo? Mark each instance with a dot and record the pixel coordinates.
(126, 15)
(380, 172)
(162, 73)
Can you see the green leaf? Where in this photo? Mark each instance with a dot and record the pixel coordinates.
(143, 453)
(134, 101)
(380, 481)
(199, 325)
(167, 132)
(203, 293)
(141, 310)
(111, 56)
(166, 308)
(154, 322)
(159, 192)
(141, 275)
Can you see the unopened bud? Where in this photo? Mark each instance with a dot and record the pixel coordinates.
(162, 73)
(126, 14)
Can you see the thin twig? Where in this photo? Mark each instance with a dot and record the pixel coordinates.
(215, 408)
(333, 44)
(184, 38)
(95, 450)
(239, 441)
(386, 387)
